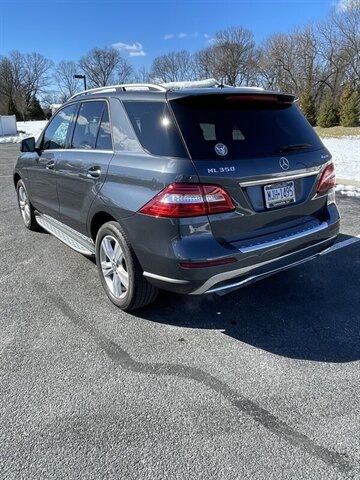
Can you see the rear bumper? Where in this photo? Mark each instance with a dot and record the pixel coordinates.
(254, 261)
(225, 281)
(260, 271)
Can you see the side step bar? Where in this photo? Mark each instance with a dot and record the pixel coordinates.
(77, 241)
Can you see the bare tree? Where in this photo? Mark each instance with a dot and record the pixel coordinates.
(99, 66)
(231, 58)
(173, 67)
(125, 71)
(204, 64)
(291, 62)
(277, 63)
(347, 23)
(22, 77)
(142, 76)
(36, 77)
(64, 78)
(7, 81)
(334, 59)
(307, 65)
(11, 75)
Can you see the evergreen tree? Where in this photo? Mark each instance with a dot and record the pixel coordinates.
(12, 110)
(349, 107)
(328, 115)
(307, 106)
(35, 112)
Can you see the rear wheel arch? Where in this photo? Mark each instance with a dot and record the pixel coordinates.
(97, 221)
(133, 290)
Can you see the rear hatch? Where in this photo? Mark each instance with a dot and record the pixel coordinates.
(258, 147)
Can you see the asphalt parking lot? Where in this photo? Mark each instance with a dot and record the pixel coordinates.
(260, 384)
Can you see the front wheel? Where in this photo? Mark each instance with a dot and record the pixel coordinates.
(26, 209)
(120, 272)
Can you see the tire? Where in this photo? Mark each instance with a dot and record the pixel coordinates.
(26, 209)
(119, 269)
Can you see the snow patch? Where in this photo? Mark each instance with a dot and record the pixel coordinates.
(25, 130)
(345, 152)
(348, 190)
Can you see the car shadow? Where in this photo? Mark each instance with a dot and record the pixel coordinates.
(311, 312)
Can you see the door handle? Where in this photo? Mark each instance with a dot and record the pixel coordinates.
(50, 165)
(93, 172)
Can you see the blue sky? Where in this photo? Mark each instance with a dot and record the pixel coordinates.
(66, 29)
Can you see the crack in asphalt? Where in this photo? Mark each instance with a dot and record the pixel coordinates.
(260, 415)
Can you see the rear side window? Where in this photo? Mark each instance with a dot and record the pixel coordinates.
(87, 125)
(247, 128)
(155, 128)
(56, 134)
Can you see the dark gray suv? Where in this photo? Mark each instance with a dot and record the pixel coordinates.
(193, 190)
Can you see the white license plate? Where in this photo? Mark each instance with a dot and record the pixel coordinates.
(279, 194)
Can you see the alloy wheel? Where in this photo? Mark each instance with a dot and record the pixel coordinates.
(113, 266)
(24, 205)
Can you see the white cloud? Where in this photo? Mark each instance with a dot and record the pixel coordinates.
(141, 53)
(180, 35)
(135, 49)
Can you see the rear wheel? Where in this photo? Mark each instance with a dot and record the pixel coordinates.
(120, 272)
(26, 209)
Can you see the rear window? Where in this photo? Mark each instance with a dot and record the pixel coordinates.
(243, 128)
(155, 128)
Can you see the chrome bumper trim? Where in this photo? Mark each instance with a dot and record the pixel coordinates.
(252, 278)
(165, 279)
(281, 240)
(221, 277)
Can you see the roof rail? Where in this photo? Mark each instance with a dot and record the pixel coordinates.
(207, 83)
(163, 87)
(123, 87)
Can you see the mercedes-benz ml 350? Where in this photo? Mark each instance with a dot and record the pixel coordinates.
(192, 190)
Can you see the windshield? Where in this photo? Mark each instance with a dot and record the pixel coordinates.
(232, 126)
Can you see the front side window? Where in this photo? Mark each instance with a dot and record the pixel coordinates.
(155, 128)
(56, 134)
(87, 125)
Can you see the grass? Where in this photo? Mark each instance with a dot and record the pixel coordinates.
(338, 132)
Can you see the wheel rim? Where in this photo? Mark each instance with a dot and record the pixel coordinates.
(113, 266)
(24, 204)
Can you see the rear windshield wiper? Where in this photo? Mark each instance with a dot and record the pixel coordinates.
(290, 148)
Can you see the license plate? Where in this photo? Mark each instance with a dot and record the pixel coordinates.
(279, 194)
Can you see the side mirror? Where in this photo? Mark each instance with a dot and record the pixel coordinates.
(28, 145)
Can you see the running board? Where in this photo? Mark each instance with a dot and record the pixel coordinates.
(77, 241)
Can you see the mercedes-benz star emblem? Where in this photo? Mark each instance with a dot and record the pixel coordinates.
(284, 163)
(221, 149)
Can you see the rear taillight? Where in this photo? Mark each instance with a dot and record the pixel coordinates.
(327, 180)
(187, 200)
